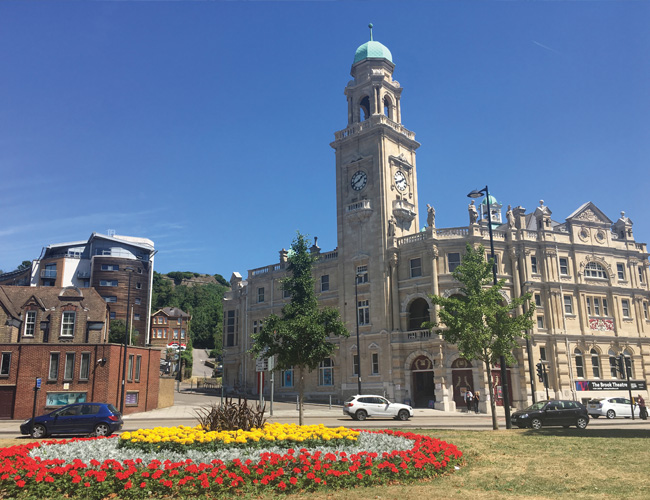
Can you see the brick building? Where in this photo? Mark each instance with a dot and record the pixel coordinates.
(60, 335)
(169, 325)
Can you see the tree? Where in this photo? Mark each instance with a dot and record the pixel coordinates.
(479, 322)
(116, 332)
(25, 264)
(300, 337)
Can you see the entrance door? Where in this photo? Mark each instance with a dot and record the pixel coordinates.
(7, 397)
(461, 378)
(422, 382)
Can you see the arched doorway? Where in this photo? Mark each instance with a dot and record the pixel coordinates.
(422, 383)
(462, 379)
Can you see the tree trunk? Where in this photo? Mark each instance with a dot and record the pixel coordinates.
(301, 391)
(493, 406)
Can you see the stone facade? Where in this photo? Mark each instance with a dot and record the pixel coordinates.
(588, 276)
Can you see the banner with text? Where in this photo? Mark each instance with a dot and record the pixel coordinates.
(610, 385)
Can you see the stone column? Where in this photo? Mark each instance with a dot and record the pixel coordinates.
(582, 311)
(395, 320)
(433, 252)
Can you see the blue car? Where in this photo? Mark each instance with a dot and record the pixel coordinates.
(98, 419)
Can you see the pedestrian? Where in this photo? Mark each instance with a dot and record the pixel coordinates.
(477, 398)
(643, 411)
(469, 398)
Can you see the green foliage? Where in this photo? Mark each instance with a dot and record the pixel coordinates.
(202, 301)
(231, 417)
(25, 264)
(116, 330)
(221, 280)
(300, 337)
(480, 322)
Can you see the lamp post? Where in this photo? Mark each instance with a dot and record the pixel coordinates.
(126, 340)
(477, 193)
(530, 355)
(356, 310)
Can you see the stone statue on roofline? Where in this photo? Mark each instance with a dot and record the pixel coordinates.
(431, 216)
(473, 213)
(510, 217)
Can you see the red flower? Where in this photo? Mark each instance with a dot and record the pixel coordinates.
(293, 480)
(128, 485)
(20, 483)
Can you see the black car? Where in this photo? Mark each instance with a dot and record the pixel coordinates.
(99, 419)
(552, 413)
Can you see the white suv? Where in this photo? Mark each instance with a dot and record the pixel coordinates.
(611, 408)
(362, 406)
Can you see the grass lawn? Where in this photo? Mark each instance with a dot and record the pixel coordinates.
(549, 463)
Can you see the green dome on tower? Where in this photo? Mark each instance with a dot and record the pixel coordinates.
(372, 50)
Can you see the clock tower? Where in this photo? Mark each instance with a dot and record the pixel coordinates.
(376, 188)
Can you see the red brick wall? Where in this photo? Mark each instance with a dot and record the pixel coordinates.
(30, 361)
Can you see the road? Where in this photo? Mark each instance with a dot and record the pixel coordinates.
(189, 401)
(198, 367)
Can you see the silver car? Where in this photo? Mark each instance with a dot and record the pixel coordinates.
(611, 408)
(363, 406)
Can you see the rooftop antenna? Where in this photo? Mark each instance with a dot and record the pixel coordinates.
(370, 26)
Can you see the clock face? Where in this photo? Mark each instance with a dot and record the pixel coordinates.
(400, 180)
(359, 180)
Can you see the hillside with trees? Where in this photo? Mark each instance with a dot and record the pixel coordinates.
(200, 296)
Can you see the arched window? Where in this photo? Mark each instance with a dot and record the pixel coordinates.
(364, 107)
(628, 363)
(388, 107)
(580, 365)
(418, 314)
(595, 270)
(595, 363)
(613, 363)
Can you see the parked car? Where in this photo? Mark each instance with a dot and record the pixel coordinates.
(611, 408)
(552, 413)
(362, 406)
(100, 419)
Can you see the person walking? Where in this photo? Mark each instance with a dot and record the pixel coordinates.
(469, 398)
(643, 411)
(477, 399)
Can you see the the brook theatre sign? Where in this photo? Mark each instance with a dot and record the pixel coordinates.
(610, 385)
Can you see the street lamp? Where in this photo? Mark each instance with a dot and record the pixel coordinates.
(126, 340)
(356, 308)
(529, 353)
(477, 193)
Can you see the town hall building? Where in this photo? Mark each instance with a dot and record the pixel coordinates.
(587, 275)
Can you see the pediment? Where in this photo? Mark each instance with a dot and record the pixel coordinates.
(33, 301)
(590, 214)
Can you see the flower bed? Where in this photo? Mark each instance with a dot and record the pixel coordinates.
(63, 468)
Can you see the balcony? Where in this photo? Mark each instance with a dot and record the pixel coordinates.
(403, 210)
(373, 121)
(83, 275)
(414, 336)
(48, 273)
(359, 211)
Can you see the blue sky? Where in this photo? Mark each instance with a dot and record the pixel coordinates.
(205, 126)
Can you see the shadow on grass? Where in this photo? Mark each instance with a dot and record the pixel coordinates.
(590, 433)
